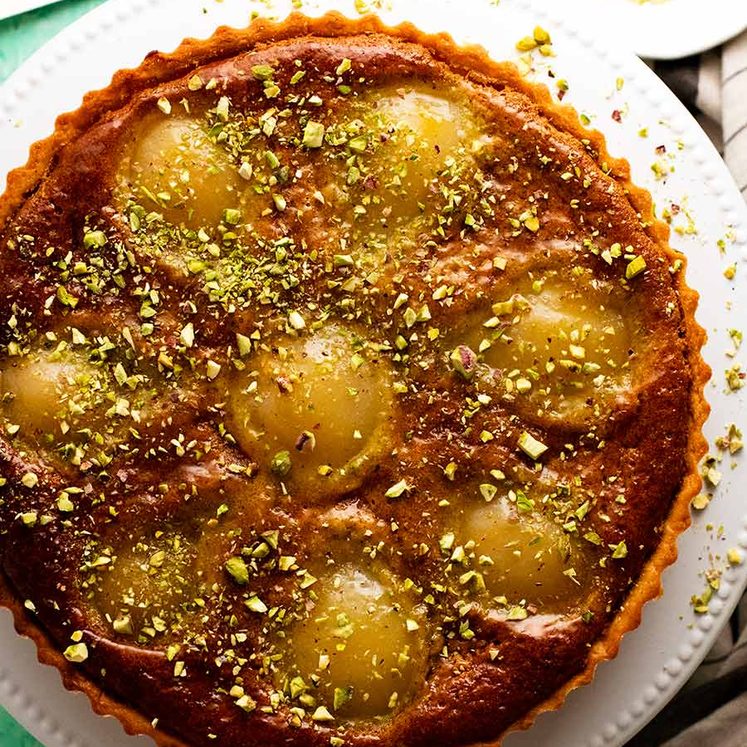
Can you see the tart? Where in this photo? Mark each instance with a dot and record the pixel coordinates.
(351, 393)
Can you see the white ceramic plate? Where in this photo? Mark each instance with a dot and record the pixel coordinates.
(660, 29)
(656, 659)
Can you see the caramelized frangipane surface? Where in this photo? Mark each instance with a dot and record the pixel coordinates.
(361, 649)
(314, 409)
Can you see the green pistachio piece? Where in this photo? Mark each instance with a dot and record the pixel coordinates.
(313, 135)
(237, 569)
(281, 463)
(464, 361)
(533, 448)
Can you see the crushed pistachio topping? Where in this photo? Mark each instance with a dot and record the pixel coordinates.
(237, 569)
(531, 446)
(76, 653)
(540, 40)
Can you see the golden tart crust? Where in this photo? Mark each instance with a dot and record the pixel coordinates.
(601, 470)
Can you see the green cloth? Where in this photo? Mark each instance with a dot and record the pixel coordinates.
(20, 37)
(13, 734)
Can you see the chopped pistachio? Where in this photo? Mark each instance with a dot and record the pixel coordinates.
(76, 653)
(297, 687)
(246, 703)
(221, 110)
(255, 604)
(701, 501)
(463, 361)
(195, 83)
(523, 385)
(213, 369)
(64, 503)
(342, 696)
(396, 490)
(263, 72)
(237, 569)
(731, 441)
(296, 321)
(94, 239)
(244, 344)
(343, 260)
(541, 36)
(29, 518)
(516, 613)
(593, 537)
(619, 551)
(533, 448)
(447, 541)
(322, 715)
(527, 44)
(187, 335)
(523, 502)
(635, 267)
(123, 625)
(231, 216)
(313, 135)
(734, 377)
(281, 463)
(734, 556)
(701, 602)
(358, 144)
(65, 297)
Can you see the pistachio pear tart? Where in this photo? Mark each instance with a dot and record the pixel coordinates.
(351, 394)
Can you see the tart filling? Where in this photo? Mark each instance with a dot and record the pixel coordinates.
(347, 394)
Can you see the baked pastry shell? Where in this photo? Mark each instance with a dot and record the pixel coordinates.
(473, 62)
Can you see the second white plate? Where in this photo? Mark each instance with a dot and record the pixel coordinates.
(660, 29)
